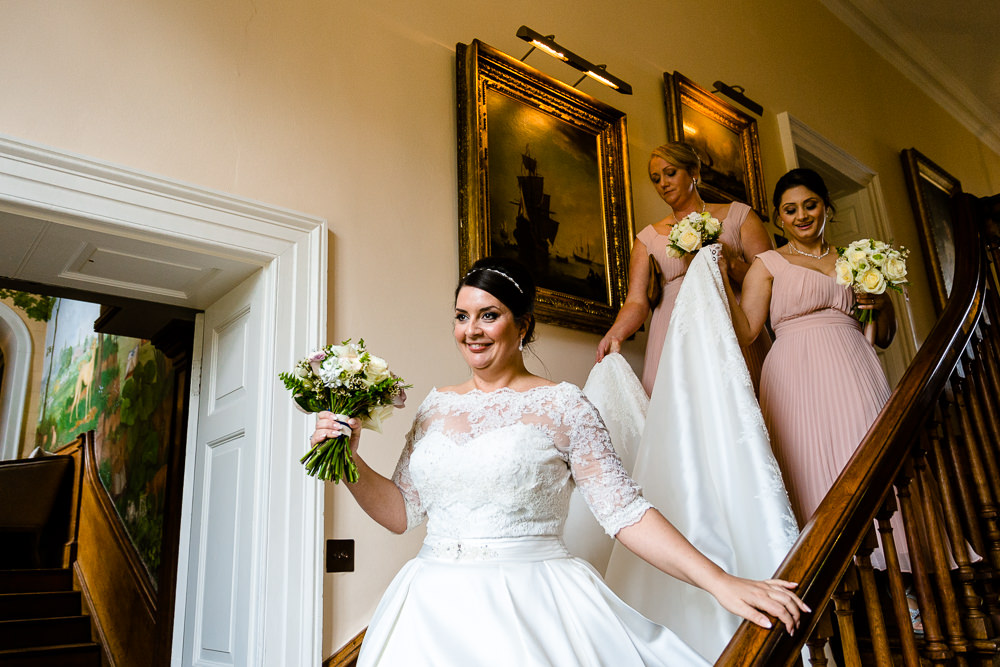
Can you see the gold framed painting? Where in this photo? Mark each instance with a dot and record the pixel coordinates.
(931, 189)
(543, 178)
(725, 138)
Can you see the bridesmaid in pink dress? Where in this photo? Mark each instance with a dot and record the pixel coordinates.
(822, 385)
(674, 169)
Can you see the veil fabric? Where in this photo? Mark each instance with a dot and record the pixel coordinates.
(703, 459)
(618, 395)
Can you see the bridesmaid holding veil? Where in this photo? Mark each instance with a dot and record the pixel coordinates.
(674, 170)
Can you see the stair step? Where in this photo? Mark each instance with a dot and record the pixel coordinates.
(65, 655)
(33, 581)
(39, 605)
(23, 633)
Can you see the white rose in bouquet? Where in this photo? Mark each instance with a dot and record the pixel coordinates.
(872, 281)
(689, 240)
(845, 274)
(894, 268)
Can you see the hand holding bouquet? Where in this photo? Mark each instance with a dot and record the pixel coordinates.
(692, 232)
(345, 379)
(870, 267)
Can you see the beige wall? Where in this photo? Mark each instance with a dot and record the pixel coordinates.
(346, 110)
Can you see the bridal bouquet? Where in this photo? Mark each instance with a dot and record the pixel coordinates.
(869, 266)
(692, 232)
(345, 379)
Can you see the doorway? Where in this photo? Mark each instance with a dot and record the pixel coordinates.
(80, 223)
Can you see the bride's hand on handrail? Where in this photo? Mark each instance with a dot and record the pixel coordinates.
(754, 600)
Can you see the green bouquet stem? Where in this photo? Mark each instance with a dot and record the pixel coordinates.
(331, 461)
(866, 316)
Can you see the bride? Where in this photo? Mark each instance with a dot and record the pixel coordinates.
(490, 464)
(701, 455)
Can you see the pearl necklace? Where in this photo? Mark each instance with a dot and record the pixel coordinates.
(806, 254)
(704, 207)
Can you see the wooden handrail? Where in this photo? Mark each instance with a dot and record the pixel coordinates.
(824, 552)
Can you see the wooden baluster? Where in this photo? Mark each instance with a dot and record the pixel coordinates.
(990, 385)
(934, 648)
(819, 639)
(992, 306)
(939, 573)
(845, 618)
(988, 347)
(988, 332)
(873, 605)
(982, 487)
(980, 421)
(897, 591)
(954, 448)
(983, 513)
(974, 621)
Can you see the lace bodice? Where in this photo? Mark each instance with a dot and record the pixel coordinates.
(503, 464)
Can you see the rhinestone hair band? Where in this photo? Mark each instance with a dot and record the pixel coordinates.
(498, 271)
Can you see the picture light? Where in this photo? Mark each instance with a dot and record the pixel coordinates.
(547, 44)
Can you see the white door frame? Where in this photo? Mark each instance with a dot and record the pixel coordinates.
(15, 341)
(291, 248)
(796, 134)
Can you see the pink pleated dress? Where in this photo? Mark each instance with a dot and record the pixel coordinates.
(822, 386)
(673, 273)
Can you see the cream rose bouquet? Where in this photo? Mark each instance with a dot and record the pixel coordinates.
(692, 232)
(870, 267)
(345, 379)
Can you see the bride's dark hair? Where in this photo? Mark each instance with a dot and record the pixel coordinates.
(511, 283)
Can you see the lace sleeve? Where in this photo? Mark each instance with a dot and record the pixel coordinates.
(614, 498)
(415, 513)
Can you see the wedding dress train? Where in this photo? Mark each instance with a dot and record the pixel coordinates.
(703, 459)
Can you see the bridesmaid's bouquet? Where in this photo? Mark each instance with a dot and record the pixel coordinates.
(870, 267)
(345, 379)
(692, 232)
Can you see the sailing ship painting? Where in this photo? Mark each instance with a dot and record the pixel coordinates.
(572, 267)
(544, 199)
(535, 229)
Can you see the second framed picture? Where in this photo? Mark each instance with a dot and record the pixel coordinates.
(543, 178)
(725, 138)
(931, 190)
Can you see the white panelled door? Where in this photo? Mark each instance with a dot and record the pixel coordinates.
(854, 220)
(225, 495)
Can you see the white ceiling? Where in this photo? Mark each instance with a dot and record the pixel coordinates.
(949, 48)
(112, 263)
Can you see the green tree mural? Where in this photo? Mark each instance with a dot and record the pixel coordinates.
(121, 388)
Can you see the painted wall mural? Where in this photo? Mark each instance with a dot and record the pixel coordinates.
(68, 406)
(122, 389)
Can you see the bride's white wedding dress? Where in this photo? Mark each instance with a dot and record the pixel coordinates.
(703, 459)
(492, 473)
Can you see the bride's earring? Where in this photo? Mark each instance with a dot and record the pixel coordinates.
(520, 345)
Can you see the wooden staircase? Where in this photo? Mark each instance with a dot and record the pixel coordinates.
(933, 458)
(41, 621)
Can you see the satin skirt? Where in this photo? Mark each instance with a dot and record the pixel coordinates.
(511, 601)
(704, 460)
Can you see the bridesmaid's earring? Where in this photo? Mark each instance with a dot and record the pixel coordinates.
(520, 345)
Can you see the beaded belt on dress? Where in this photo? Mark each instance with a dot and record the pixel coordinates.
(519, 549)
